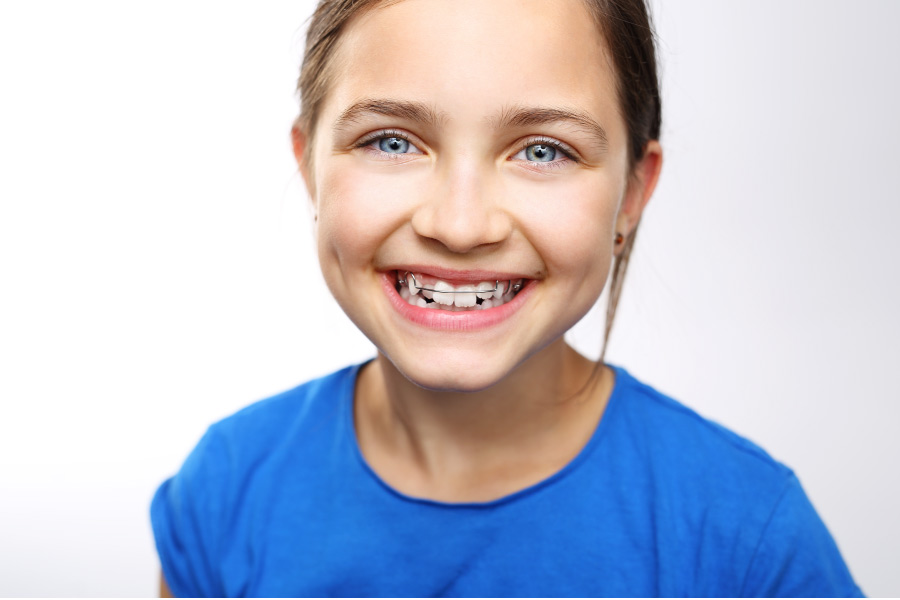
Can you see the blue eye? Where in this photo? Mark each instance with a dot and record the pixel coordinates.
(388, 144)
(545, 153)
(393, 145)
(540, 153)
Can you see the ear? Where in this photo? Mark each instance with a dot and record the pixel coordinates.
(641, 184)
(300, 142)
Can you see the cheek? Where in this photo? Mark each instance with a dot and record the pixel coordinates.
(571, 224)
(338, 228)
(356, 212)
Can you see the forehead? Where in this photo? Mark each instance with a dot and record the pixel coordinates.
(469, 58)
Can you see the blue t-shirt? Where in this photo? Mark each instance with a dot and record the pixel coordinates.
(277, 500)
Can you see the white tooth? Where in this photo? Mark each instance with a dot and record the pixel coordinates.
(485, 290)
(431, 305)
(404, 292)
(420, 302)
(501, 289)
(413, 290)
(442, 298)
(467, 299)
(428, 294)
(487, 304)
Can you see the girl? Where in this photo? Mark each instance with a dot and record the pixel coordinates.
(477, 169)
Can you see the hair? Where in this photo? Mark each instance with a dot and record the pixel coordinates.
(627, 29)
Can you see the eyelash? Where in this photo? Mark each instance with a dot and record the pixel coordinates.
(367, 140)
(565, 149)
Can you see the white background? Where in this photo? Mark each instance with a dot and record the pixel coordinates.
(157, 269)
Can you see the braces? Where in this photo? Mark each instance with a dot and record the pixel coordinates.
(402, 281)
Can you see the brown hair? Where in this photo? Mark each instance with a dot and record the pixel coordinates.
(628, 32)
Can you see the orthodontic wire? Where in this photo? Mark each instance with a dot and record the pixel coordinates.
(402, 281)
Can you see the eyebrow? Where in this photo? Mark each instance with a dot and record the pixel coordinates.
(514, 116)
(524, 116)
(418, 112)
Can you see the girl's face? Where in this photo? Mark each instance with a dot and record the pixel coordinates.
(466, 143)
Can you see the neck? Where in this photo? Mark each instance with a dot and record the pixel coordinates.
(525, 427)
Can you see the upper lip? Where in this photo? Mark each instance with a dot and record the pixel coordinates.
(459, 275)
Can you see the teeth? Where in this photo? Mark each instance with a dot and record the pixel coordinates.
(463, 296)
(445, 299)
(457, 298)
(465, 300)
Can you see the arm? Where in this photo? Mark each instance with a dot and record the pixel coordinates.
(185, 518)
(164, 591)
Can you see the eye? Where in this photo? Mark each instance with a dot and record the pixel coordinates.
(547, 152)
(393, 143)
(540, 153)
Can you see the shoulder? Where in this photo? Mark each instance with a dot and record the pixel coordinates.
(726, 495)
(294, 424)
(234, 469)
(266, 421)
(255, 441)
(676, 435)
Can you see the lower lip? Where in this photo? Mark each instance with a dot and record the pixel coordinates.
(470, 320)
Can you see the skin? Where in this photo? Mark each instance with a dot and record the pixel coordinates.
(473, 416)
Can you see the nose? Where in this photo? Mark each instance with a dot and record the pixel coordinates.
(463, 209)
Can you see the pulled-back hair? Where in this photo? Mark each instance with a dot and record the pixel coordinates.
(627, 30)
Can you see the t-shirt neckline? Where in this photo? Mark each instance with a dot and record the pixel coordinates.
(621, 378)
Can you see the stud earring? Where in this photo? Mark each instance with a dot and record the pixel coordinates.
(619, 238)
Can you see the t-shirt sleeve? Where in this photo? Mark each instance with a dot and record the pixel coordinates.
(796, 556)
(185, 512)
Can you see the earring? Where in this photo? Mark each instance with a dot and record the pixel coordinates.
(619, 238)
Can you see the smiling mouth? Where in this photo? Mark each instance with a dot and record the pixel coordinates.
(421, 290)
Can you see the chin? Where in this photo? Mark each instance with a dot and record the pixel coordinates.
(462, 374)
